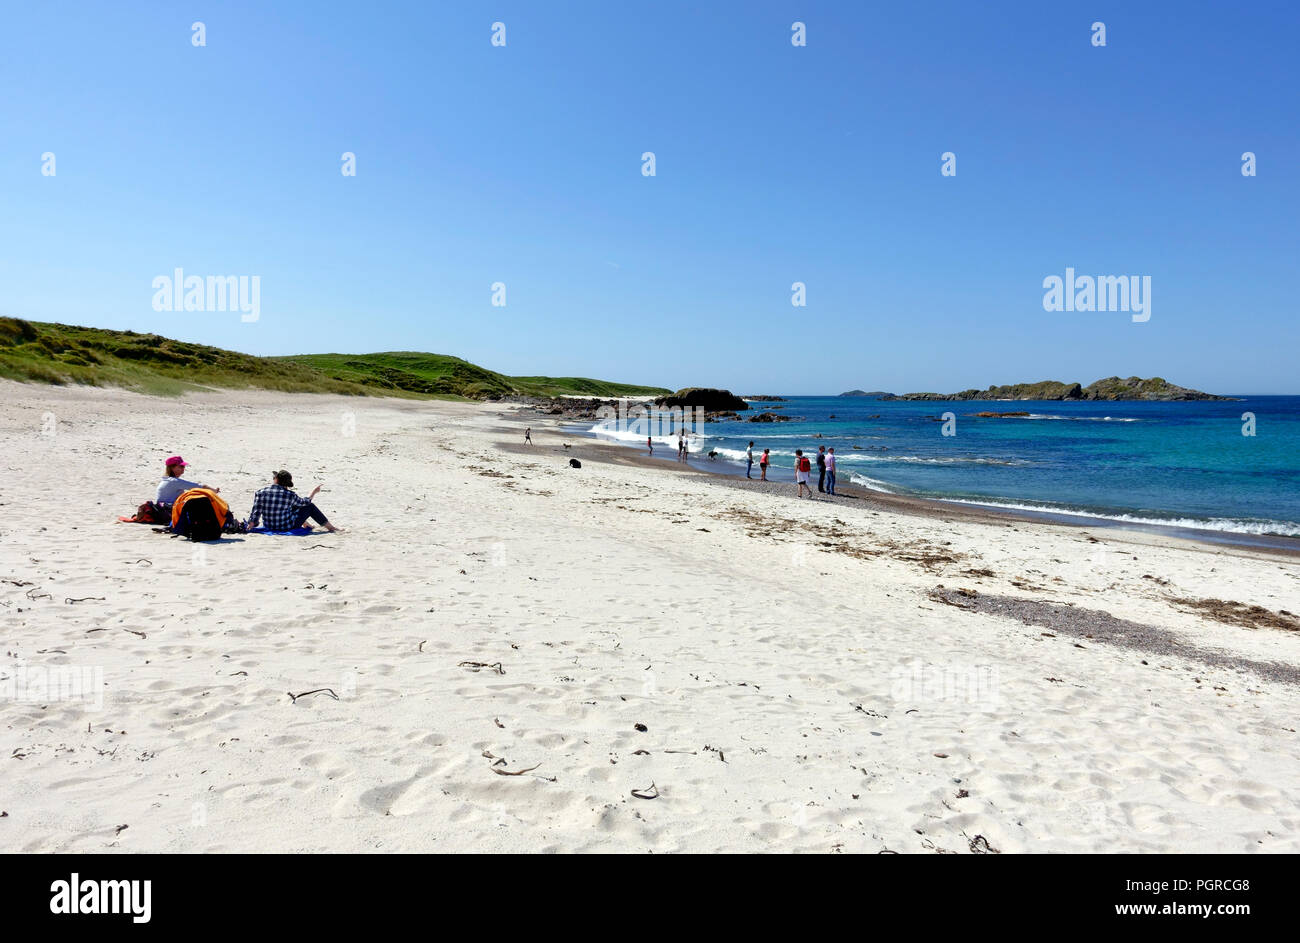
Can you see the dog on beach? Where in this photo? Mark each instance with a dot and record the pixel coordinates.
(713, 456)
(574, 463)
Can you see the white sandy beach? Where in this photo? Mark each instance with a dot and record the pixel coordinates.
(800, 688)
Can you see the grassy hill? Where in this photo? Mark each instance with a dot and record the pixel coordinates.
(439, 374)
(35, 351)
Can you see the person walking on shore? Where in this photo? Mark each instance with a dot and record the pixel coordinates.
(749, 460)
(762, 466)
(528, 436)
(821, 469)
(830, 472)
(650, 444)
(802, 469)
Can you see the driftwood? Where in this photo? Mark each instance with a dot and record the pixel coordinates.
(519, 772)
(329, 691)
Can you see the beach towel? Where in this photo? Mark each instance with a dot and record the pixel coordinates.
(296, 532)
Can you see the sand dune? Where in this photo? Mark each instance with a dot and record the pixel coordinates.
(800, 686)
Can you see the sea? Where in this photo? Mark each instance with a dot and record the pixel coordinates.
(1210, 467)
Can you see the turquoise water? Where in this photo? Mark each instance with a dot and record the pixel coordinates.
(1173, 464)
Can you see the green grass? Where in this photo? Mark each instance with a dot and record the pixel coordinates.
(582, 386)
(420, 373)
(406, 372)
(34, 351)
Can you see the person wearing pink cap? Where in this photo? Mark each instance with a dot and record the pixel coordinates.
(173, 485)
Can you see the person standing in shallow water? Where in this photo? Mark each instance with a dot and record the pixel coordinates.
(650, 444)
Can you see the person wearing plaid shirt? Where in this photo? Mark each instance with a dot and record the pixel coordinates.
(280, 509)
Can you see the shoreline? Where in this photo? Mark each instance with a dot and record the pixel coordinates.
(972, 510)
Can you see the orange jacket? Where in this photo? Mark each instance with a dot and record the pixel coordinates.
(221, 508)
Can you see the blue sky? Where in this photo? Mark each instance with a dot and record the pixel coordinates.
(775, 164)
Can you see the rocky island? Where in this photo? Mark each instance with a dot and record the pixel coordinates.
(1109, 389)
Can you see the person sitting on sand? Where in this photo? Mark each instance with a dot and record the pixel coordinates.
(282, 510)
(173, 485)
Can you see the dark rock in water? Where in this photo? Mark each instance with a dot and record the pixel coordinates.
(988, 415)
(876, 394)
(765, 399)
(721, 417)
(706, 398)
(770, 417)
(574, 463)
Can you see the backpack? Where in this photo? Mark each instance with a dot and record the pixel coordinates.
(150, 513)
(804, 464)
(199, 514)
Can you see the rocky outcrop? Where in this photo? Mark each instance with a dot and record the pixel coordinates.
(1112, 388)
(772, 417)
(708, 399)
(765, 399)
(863, 394)
(1135, 388)
(988, 415)
(585, 410)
